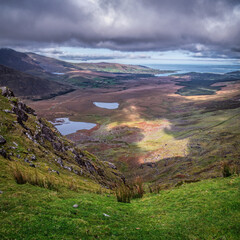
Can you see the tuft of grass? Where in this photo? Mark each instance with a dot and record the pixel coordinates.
(19, 176)
(137, 188)
(123, 193)
(226, 169)
(24, 175)
(229, 169)
(72, 185)
(154, 188)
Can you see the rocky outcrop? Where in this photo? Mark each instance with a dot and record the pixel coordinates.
(6, 92)
(46, 138)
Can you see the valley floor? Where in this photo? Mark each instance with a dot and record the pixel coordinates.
(156, 133)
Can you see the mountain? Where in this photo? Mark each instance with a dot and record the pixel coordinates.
(50, 65)
(18, 60)
(79, 75)
(29, 86)
(35, 64)
(28, 142)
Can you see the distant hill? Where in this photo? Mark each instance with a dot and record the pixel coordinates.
(87, 75)
(50, 65)
(28, 86)
(119, 68)
(18, 60)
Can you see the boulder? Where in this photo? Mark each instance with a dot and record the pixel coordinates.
(111, 165)
(2, 140)
(32, 165)
(6, 92)
(21, 115)
(33, 157)
(3, 153)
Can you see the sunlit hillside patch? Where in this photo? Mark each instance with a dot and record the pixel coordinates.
(156, 141)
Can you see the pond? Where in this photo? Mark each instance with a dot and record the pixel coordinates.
(113, 105)
(65, 126)
(58, 73)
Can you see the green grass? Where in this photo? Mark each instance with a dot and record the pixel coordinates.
(205, 210)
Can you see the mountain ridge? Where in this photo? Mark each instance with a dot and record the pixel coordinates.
(29, 86)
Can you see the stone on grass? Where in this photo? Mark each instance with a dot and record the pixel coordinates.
(105, 215)
(32, 165)
(33, 157)
(2, 140)
(75, 206)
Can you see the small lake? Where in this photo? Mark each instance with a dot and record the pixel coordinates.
(65, 126)
(106, 105)
(58, 73)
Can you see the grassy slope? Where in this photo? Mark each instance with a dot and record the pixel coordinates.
(20, 147)
(205, 210)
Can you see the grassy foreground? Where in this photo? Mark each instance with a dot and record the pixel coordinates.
(205, 210)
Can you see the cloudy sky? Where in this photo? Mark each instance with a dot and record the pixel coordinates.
(124, 30)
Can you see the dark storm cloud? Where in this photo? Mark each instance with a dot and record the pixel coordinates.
(210, 27)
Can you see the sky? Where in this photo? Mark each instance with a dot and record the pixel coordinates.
(126, 31)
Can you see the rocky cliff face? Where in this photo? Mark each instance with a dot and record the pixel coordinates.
(27, 138)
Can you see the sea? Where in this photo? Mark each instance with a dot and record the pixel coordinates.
(201, 68)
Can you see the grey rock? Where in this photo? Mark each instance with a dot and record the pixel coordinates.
(25, 108)
(105, 215)
(75, 171)
(29, 136)
(59, 161)
(1, 192)
(68, 168)
(55, 171)
(6, 92)
(32, 165)
(2, 140)
(33, 157)
(57, 146)
(7, 111)
(21, 115)
(75, 206)
(3, 153)
(111, 165)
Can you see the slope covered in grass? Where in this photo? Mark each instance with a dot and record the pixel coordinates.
(29, 142)
(205, 210)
